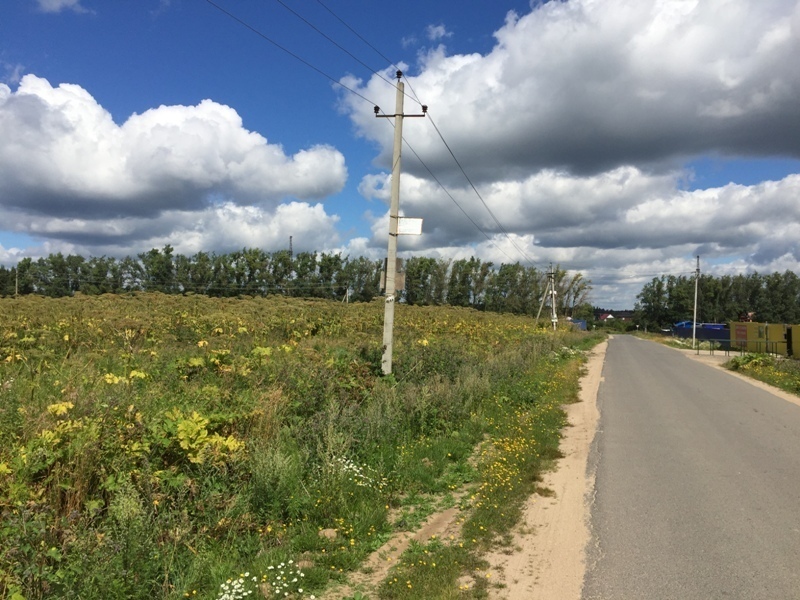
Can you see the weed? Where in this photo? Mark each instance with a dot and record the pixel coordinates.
(782, 373)
(154, 444)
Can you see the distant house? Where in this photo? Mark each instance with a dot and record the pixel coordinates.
(617, 315)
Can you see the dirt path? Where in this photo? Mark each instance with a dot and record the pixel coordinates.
(547, 558)
(376, 568)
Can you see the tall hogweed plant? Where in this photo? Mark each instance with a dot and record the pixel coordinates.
(151, 446)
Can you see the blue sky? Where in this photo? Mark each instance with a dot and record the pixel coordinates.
(617, 139)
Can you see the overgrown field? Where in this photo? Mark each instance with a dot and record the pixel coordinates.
(157, 446)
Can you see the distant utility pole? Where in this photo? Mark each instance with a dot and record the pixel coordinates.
(694, 318)
(551, 290)
(291, 250)
(553, 316)
(394, 216)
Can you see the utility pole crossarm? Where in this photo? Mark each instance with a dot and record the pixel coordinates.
(399, 104)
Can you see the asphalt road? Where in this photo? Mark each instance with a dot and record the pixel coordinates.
(697, 489)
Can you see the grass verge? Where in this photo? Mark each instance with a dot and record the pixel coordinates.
(522, 421)
(783, 373)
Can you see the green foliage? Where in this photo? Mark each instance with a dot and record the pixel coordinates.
(783, 373)
(278, 471)
(253, 272)
(751, 361)
(773, 298)
(430, 571)
(156, 445)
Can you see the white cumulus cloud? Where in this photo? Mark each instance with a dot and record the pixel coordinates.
(69, 172)
(588, 86)
(437, 32)
(54, 6)
(576, 129)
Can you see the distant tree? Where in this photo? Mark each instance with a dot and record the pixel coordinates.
(7, 277)
(281, 268)
(222, 277)
(680, 297)
(571, 291)
(251, 271)
(362, 277)
(459, 284)
(77, 272)
(652, 304)
(419, 272)
(106, 274)
(306, 281)
(183, 273)
(330, 276)
(778, 301)
(438, 280)
(480, 278)
(159, 271)
(514, 288)
(201, 273)
(132, 274)
(25, 276)
(583, 312)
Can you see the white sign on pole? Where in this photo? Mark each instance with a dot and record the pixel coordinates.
(409, 226)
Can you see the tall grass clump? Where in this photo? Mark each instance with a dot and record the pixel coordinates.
(157, 446)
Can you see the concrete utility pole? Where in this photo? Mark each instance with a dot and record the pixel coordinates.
(694, 317)
(553, 316)
(394, 216)
(551, 290)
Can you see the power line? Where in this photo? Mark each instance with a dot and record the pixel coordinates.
(500, 226)
(449, 195)
(449, 149)
(416, 98)
(378, 52)
(332, 41)
(358, 35)
(286, 50)
(480, 197)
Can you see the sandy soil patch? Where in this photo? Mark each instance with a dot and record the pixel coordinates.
(547, 558)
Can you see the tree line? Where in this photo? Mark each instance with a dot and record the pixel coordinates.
(428, 281)
(773, 298)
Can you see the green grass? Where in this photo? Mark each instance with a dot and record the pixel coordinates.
(522, 423)
(156, 446)
(432, 570)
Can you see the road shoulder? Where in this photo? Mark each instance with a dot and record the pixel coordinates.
(547, 558)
